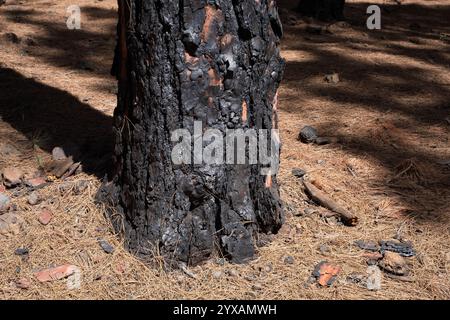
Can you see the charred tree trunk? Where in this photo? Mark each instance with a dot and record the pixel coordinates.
(180, 62)
(326, 10)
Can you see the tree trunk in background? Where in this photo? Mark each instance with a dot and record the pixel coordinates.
(323, 9)
(180, 62)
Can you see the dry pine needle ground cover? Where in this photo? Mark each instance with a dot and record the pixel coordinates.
(389, 114)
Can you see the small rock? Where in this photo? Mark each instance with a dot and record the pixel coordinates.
(108, 248)
(220, 261)
(10, 223)
(289, 260)
(34, 198)
(308, 134)
(217, 274)
(326, 273)
(21, 251)
(12, 177)
(404, 249)
(36, 183)
(299, 173)
(394, 263)
(23, 283)
(65, 187)
(355, 278)
(257, 286)
(367, 245)
(321, 141)
(5, 202)
(232, 273)
(12, 37)
(45, 217)
(324, 249)
(74, 280)
(373, 258)
(57, 273)
(332, 78)
(30, 42)
(268, 267)
(374, 278)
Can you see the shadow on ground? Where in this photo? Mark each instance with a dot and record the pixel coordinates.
(79, 50)
(51, 117)
(399, 91)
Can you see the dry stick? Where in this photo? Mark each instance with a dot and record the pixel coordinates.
(325, 201)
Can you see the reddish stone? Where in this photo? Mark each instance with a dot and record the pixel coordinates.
(45, 217)
(23, 283)
(36, 182)
(12, 176)
(326, 273)
(57, 273)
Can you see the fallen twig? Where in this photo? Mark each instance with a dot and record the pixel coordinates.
(324, 200)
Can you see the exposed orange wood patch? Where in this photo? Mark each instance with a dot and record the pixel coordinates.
(214, 78)
(269, 180)
(210, 16)
(244, 111)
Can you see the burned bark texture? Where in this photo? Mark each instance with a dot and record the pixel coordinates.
(327, 10)
(177, 62)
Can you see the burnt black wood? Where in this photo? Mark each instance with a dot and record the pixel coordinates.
(180, 62)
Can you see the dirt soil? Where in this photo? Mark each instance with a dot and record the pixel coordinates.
(390, 165)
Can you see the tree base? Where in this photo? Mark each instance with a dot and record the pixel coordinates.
(224, 235)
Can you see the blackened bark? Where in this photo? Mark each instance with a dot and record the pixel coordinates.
(217, 62)
(326, 10)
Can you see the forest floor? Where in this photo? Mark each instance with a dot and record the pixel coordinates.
(390, 165)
